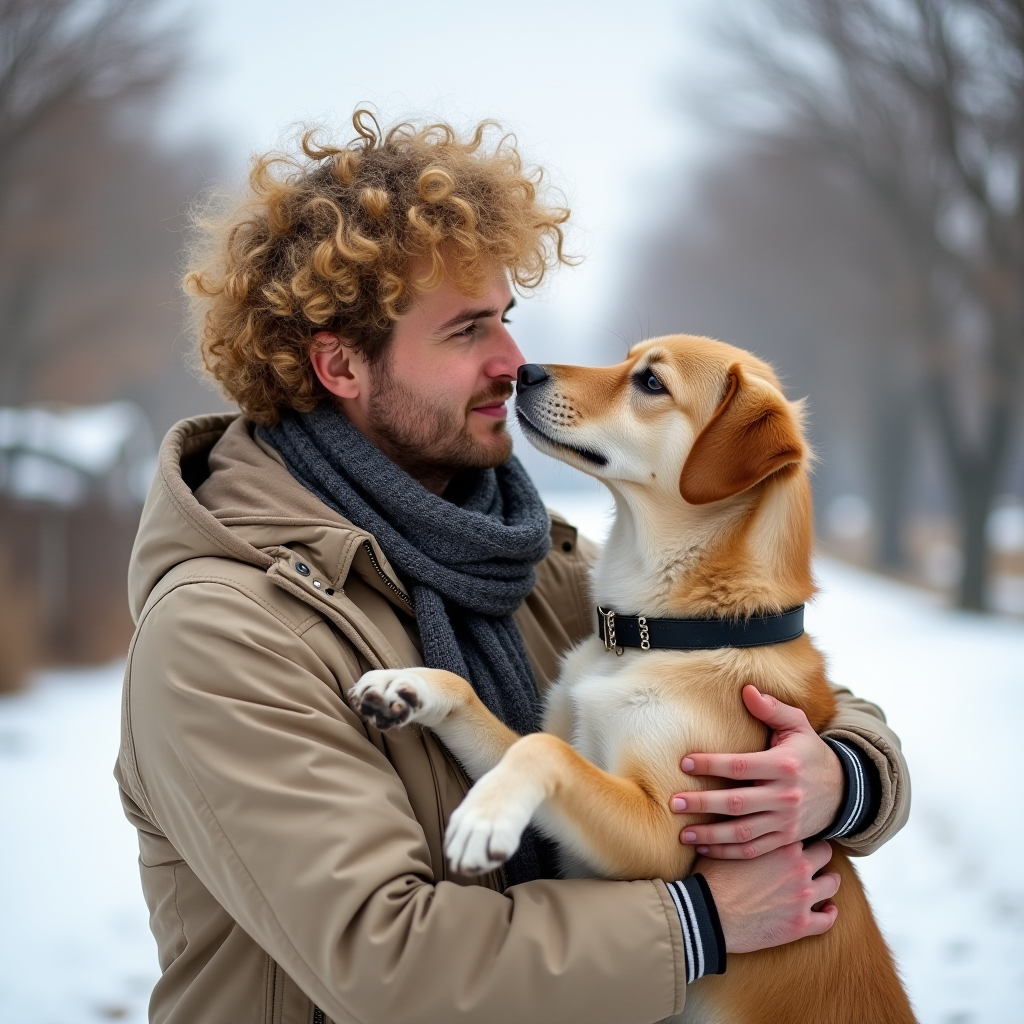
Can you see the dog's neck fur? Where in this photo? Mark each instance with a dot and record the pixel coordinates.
(744, 556)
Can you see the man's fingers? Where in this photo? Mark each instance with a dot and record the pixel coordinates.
(764, 765)
(751, 827)
(819, 854)
(819, 921)
(772, 711)
(743, 851)
(825, 886)
(734, 802)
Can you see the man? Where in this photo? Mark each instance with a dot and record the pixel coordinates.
(364, 512)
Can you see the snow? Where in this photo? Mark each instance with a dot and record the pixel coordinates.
(90, 438)
(46, 453)
(74, 940)
(1006, 525)
(75, 945)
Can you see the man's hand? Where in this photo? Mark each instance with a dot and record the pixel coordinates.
(798, 787)
(774, 899)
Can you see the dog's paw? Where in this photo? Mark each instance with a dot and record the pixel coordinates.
(391, 697)
(487, 827)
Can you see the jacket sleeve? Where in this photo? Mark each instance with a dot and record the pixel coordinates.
(269, 787)
(862, 723)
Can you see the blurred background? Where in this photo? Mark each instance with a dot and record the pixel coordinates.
(835, 184)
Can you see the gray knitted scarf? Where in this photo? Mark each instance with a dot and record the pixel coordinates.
(469, 564)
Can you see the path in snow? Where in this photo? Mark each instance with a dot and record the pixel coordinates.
(74, 942)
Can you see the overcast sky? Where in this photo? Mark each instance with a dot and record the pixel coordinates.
(587, 87)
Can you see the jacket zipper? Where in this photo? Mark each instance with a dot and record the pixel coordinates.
(388, 581)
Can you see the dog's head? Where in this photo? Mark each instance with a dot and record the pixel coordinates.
(700, 418)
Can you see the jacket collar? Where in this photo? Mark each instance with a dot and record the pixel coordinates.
(219, 492)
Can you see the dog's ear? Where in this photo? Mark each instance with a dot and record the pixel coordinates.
(752, 434)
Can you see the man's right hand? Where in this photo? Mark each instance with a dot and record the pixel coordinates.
(772, 899)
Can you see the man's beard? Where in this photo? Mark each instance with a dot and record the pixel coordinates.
(428, 439)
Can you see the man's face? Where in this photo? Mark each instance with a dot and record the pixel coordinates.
(435, 404)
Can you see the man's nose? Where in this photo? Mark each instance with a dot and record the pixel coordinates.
(529, 375)
(505, 358)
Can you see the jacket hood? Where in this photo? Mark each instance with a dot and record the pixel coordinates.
(219, 491)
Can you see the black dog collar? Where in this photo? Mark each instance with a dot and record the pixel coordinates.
(619, 631)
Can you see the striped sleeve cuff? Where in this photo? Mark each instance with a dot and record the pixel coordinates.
(703, 941)
(862, 792)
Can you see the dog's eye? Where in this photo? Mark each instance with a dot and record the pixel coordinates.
(648, 383)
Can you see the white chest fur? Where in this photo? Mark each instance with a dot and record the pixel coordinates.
(631, 707)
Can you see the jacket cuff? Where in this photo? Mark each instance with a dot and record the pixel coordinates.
(862, 792)
(703, 940)
(894, 808)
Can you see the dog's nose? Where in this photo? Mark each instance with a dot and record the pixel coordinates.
(531, 374)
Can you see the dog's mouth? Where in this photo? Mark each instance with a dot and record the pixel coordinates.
(532, 430)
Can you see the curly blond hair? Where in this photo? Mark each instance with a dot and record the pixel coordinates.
(326, 241)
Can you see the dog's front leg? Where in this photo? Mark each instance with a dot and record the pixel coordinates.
(616, 825)
(440, 701)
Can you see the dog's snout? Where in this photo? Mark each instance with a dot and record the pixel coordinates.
(531, 374)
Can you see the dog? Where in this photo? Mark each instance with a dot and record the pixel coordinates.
(709, 468)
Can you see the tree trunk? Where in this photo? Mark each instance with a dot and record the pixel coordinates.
(974, 501)
(976, 477)
(16, 354)
(975, 471)
(891, 464)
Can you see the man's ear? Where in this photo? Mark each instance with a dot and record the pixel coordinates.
(752, 434)
(339, 367)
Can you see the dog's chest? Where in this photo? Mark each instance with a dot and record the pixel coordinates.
(621, 705)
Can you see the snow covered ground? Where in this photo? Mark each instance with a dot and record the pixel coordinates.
(75, 945)
(949, 891)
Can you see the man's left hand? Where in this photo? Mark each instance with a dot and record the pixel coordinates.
(796, 792)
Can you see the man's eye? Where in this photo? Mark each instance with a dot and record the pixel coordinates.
(466, 332)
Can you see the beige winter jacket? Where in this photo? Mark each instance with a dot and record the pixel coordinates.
(291, 854)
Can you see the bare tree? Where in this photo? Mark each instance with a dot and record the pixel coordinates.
(91, 220)
(56, 54)
(70, 73)
(921, 104)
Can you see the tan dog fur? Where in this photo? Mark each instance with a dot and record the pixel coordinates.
(713, 518)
